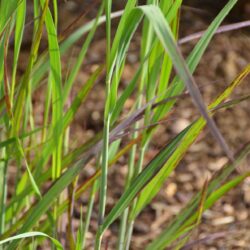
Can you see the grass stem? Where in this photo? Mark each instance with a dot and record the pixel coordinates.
(107, 117)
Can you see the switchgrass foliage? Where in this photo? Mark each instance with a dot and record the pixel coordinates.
(40, 155)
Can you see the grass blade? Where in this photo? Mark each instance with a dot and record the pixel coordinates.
(193, 59)
(164, 34)
(141, 180)
(154, 186)
(162, 242)
(20, 21)
(32, 234)
(84, 49)
(166, 237)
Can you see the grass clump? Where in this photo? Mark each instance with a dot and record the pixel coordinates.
(31, 210)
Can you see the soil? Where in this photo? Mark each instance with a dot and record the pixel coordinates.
(227, 224)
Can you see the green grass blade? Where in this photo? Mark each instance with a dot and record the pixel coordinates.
(82, 94)
(48, 199)
(25, 82)
(3, 194)
(216, 195)
(193, 60)
(122, 25)
(192, 206)
(80, 58)
(80, 238)
(124, 96)
(162, 241)
(42, 66)
(32, 234)
(164, 34)
(67, 118)
(32, 180)
(151, 61)
(42, 206)
(83, 187)
(70, 113)
(154, 186)
(20, 21)
(52, 195)
(140, 181)
(7, 10)
(55, 79)
(106, 127)
(161, 171)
